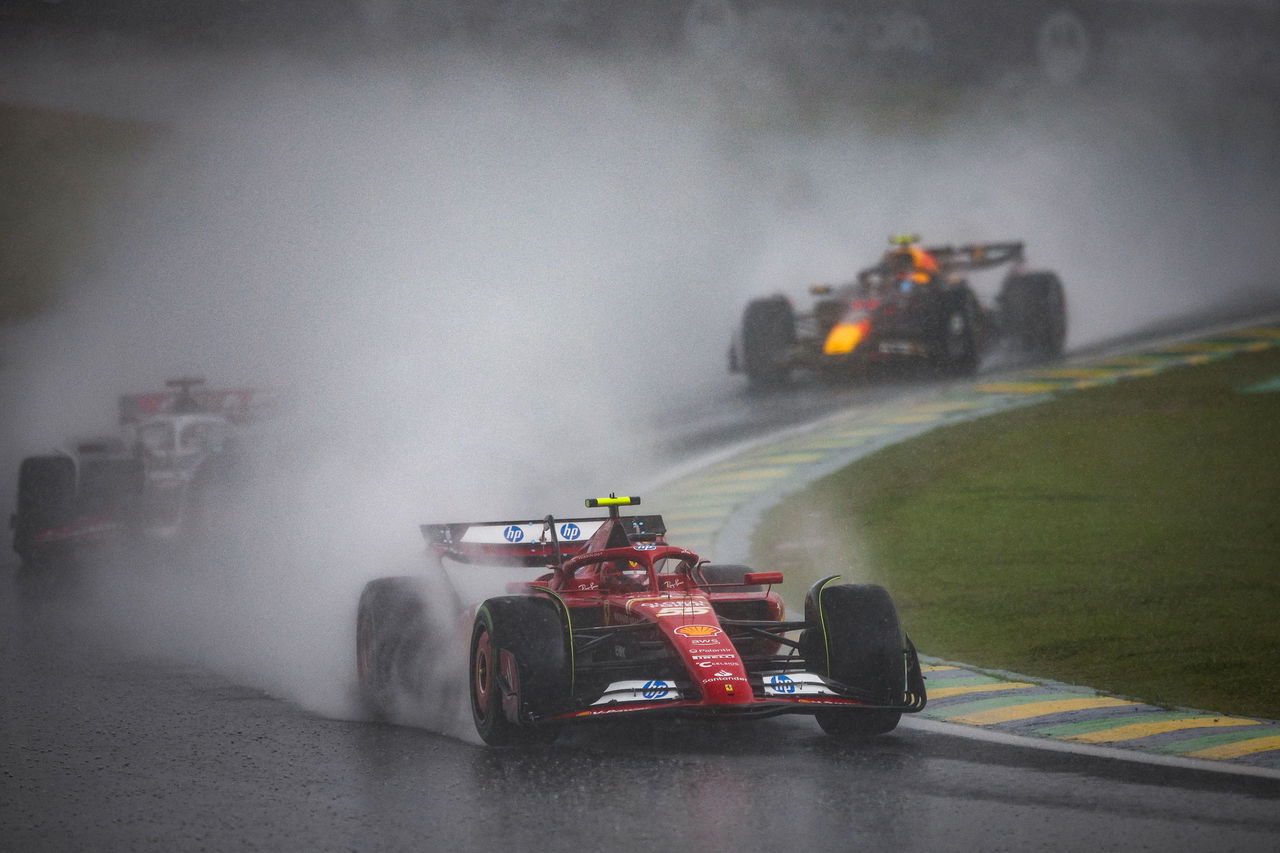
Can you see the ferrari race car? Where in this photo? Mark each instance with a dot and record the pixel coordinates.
(619, 622)
(915, 307)
(152, 480)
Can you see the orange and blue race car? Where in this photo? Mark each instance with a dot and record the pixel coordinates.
(914, 308)
(617, 622)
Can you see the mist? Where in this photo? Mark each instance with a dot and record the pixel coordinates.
(477, 278)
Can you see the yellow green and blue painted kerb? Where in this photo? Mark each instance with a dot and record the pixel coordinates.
(1013, 705)
(714, 511)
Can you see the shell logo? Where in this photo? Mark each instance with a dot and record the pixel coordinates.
(697, 630)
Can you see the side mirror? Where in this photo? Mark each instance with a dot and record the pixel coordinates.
(762, 578)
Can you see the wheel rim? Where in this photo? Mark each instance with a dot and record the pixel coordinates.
(364, 649)
(482, 678)
(957, 346)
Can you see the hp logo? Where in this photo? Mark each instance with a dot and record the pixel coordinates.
(570, 531)
(513, 533)
(782, 684)
(655, 689)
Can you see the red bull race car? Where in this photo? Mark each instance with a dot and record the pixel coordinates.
(914, 308)
(617, 622)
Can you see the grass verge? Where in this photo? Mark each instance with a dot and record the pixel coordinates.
(1125, 537)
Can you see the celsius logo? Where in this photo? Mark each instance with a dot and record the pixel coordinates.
(782, 684)
(655, 689)
(513, 533)
(570, 531)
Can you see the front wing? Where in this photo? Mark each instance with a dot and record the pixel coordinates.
(776, 690)
(777, 693)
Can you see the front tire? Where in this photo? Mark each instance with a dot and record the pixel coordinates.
(768, 334)
(47, 498)
(855, 725)
(520, 670)
(957, 342)
(857, 642)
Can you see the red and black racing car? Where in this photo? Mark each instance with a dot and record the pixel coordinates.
(619, 622)
(914, 307)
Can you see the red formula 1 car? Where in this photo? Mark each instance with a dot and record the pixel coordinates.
(622, 623)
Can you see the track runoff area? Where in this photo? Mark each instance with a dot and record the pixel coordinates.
(714, 510)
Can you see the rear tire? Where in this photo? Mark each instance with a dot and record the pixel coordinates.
(46, 499)
(393, 639)
(726, 573)
(520, 670)
(857, 642)
(957, 350)
(768, 334)
(1033, 314)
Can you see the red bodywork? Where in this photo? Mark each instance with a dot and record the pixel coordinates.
(649, 632)
(673, 601)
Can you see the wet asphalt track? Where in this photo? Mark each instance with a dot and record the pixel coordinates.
(103, 750)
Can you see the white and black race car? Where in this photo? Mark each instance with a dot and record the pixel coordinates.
(152, 480)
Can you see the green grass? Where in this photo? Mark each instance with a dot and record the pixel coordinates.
(1126, 537)
(58, 174)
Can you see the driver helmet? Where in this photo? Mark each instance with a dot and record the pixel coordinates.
(624, 576)
(911, 263)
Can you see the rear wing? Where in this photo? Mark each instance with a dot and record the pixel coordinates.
(955, 260)
(976, 256)
(537, 542)
(238, 405)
